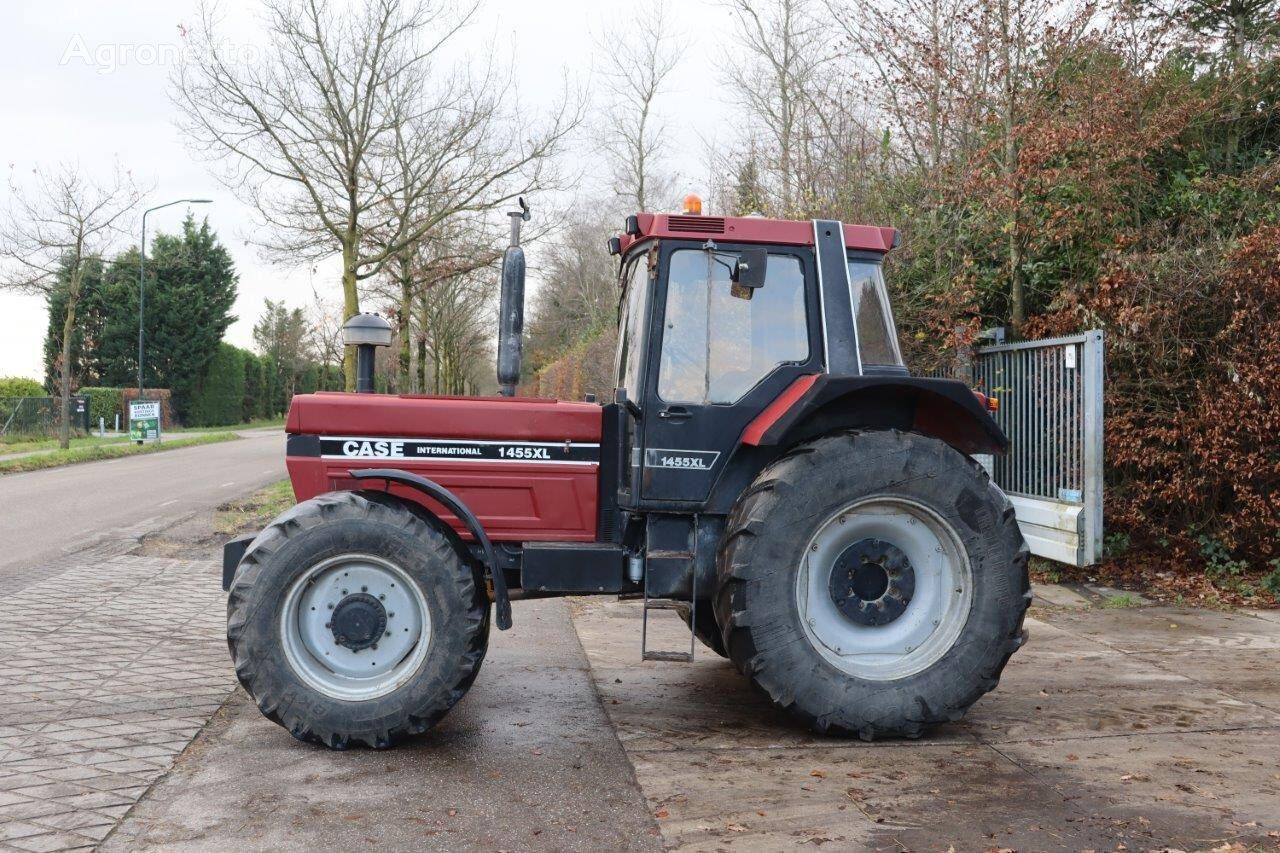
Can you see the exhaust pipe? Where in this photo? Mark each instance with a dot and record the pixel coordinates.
(366, 332)
(511, 310)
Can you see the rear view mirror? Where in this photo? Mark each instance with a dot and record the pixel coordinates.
(750, 270)
(748, 273)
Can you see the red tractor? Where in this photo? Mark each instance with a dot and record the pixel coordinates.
(767, 468)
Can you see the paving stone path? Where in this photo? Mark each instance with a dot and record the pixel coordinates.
(108, 668)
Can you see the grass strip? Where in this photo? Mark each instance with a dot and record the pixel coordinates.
(254, 512)
(97, 452)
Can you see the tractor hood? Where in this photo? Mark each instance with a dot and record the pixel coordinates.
(415, 416)
(527, 468)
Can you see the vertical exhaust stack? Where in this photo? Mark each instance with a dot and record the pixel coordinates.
(366, 332)
(511, 311)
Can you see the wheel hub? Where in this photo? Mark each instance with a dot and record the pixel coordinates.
(914, 561)
(358, 621)
(355, 626)
(872, 582)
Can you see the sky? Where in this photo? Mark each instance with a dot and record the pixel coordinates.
(86, 82)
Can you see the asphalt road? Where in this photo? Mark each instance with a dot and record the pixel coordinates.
(50, 514)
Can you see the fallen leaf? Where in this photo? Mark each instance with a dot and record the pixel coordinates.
(820, 774)
(661, 813)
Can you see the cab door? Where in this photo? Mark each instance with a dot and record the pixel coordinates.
(717, 359)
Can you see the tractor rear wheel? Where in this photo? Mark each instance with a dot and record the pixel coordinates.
(355, 621)
(873, 582)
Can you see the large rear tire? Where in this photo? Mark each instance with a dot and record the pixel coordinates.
(355, 621)
(875, 583)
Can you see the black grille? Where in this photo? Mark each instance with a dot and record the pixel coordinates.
(697, 224)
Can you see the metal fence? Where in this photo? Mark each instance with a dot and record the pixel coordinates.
(1050, 394)
(38, 416)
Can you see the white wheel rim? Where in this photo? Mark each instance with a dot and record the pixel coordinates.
(935, 614)
(335, 670)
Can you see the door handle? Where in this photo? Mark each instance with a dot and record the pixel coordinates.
(675, 413)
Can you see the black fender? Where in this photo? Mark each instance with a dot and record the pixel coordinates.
(450, 501)
(943, 408)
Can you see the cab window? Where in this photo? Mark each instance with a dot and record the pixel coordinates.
(877, 339)
(716, 346)
(631, 328)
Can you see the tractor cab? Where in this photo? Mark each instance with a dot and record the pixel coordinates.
(719, 316)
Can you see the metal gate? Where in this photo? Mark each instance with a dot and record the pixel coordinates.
(1050, 394)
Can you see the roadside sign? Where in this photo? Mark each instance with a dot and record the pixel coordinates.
(144, 420)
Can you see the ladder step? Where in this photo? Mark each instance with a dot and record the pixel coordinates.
(677, 657)
(665, 604)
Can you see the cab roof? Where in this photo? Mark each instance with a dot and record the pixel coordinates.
(750, 229)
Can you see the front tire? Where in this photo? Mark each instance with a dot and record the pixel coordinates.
(351, 620)
(875, 583)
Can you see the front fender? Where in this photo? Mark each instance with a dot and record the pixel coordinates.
(454, 504)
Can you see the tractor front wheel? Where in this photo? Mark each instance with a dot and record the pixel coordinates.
(873, 582)
(351, 620)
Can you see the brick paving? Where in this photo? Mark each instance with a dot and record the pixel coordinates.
(109, 666)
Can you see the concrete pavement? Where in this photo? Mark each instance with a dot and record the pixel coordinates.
(526, 761)
(46, 515)
(1152, 728)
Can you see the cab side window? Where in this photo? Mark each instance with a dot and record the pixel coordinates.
(631, 328)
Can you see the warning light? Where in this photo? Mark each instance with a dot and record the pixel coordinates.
(692, 205)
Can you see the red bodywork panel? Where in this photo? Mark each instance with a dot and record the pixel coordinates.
(516, 500)
(752, 229)
(774, 411)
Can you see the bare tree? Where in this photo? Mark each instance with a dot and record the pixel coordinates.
(456, 318)
(55, 225)
(639, 56)
(1017, 33)
(784, 47)
(325, 320)
(924, 69)
(311, 130)
(580, 296)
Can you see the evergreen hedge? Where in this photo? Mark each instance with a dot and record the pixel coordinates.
(219, 396)
(105, 403)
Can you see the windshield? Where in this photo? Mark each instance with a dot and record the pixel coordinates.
(716, 346)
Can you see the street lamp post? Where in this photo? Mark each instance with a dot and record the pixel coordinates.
(142, 264)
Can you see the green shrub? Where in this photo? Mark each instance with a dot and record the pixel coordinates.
(218, 399)
(105, 403)
(1218, 561)
(21, 386)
